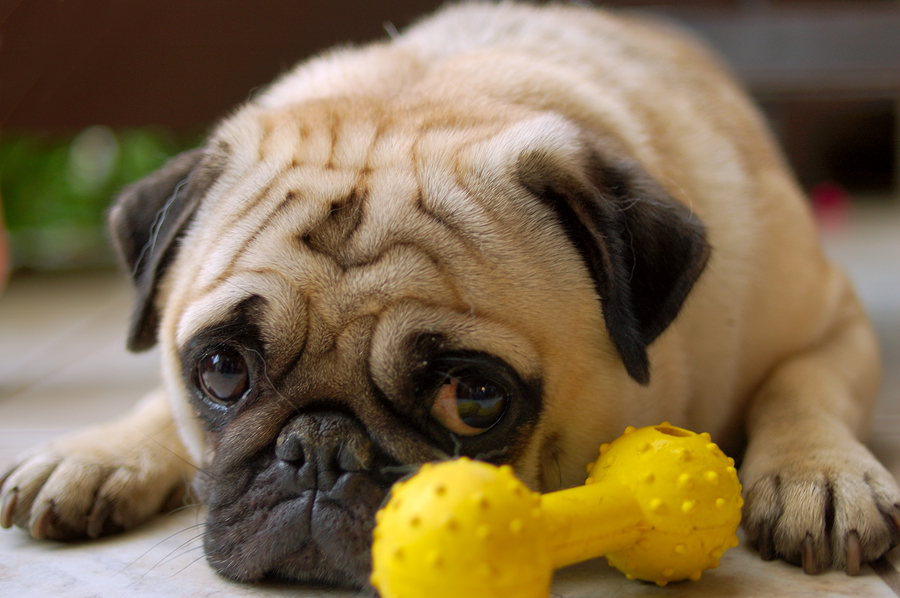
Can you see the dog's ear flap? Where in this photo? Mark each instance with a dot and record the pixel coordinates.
(643, 249)
(146, 222)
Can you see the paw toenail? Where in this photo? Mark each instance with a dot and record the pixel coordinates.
(99, 514)
(9, 508)
(766, 544)
(42, 520)
(853, 553)
(808, 556)
(6, 476)
(895, 516)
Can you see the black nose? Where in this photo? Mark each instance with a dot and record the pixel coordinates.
(323, 446)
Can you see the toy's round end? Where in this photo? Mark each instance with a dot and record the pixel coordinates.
(461, 528)
(690, 496)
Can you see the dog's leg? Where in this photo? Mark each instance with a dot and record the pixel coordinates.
(815, 496)
(104, 479)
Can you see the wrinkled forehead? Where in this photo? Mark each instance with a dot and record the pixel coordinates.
(348, 208)
(361, 134)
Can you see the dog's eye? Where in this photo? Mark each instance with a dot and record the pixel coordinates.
(470, 405)
(223, 375)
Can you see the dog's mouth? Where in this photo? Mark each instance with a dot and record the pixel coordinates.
(304, 511)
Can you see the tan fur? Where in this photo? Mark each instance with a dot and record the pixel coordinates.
(103, 478)
(394, 163)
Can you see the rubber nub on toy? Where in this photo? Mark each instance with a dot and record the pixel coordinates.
(688, 492)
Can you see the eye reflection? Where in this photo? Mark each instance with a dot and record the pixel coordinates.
(479, 402)
(470, 404)
(223, 375)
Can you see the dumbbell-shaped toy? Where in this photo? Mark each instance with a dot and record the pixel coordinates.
(661, 503)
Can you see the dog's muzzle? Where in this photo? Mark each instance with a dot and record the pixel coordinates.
(306, 511)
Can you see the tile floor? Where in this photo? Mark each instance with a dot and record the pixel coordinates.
(63, 366)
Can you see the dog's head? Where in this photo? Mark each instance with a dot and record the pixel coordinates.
(345, 289)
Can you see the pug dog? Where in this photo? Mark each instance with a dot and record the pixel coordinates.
(508, 233)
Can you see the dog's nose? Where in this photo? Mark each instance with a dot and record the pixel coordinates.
(323, 446)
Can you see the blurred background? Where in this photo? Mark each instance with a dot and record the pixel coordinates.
(95, 93)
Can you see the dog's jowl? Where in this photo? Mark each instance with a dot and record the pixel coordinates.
(508, 233)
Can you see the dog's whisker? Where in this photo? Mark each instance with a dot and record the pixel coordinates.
(176, 510)
(180, 550)
(457, 445)
(156, 226)
(174, 453)
(390, 29)
(199, 558)
(272, 385)
(401, 469)
(170, 556)
(155, 546)
(491, 454)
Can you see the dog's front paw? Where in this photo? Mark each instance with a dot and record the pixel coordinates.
(826, 512)
(90, 485)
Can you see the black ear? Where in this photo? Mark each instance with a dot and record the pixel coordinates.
(146, 222)
(644, 250)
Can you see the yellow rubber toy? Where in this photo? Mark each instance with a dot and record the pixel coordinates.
(661, 503)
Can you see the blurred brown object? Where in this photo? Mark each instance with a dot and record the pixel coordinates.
(169, 63)
(827, 72)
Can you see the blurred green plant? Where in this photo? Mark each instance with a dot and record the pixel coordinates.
(55, 191)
